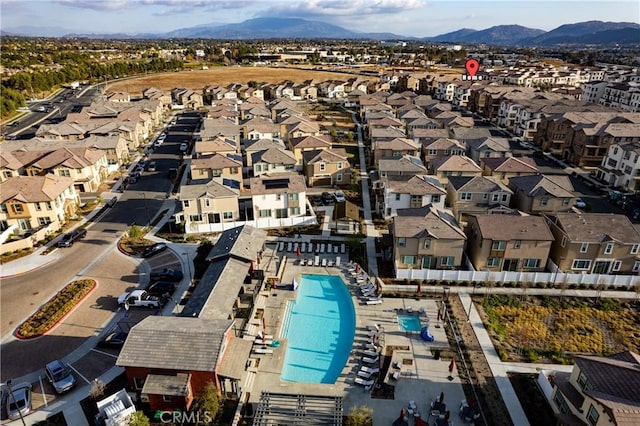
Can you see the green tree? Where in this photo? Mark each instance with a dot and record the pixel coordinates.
(208, 402)
(139, 419)
(360, 416)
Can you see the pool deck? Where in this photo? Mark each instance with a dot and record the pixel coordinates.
(421, 377)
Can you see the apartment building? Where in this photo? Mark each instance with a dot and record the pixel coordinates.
(620, 167)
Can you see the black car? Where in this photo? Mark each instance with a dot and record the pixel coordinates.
(154, 249)
(161, 288)
(327, 198)
(69, 238)
(166, 274)
(114, 339)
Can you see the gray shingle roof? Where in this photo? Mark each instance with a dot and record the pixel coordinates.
(537, 185)
(427, 221)
(211, 189)
(174, 343)
(242, 242)
(273, 155)
(598, 227)
(477, 184)
(414, 185)
(508, 228)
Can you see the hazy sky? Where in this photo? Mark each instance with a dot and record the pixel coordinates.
(417, 18)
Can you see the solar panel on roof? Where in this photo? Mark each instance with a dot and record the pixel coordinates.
(276, 183)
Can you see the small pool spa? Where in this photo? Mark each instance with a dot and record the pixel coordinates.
(409, 322)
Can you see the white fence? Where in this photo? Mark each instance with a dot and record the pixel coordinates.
(517, 277)
(264, 223)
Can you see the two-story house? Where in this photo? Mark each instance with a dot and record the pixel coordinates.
(426, 238)
(508, 242)
(309, 143)
(278, 196)
(396, 147)
(456, 165)
(404, 192)
(595, 243)
(30, 202)
(477, 195)
(508, 167)
(488, 147)
(271, 160)
(260, 128)
(326, 167)
(222, 168)
(401, 166)
(207, 203)
(621, 166)
(216, 145)
(535, 194)
(599, 391)
(441, 147)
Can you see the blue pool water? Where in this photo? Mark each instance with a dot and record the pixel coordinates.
(320, 327)
(409, 322)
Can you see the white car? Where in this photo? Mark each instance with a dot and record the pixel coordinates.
(580, 203)
(339, 196)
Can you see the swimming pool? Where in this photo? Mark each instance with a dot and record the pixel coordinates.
(320, 326)
(409, 322)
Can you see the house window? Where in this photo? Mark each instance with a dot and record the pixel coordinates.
(265, 213)
(234, 170)
(166, 398)
(37, 206)
(593, 415)
(584, 382)
(433, 152)
(258, 168)
(44, 221)
(426, 262)
(227, 215)
(531, 263)
(427, 244)
(447, 260)
(278, 197)
(495, 197)
(485, 196)
(185, 203)
(499, 245)
(397, 197)
(561, 402)
(435, 198)
(65, 172)
(465, 196)
(636, 266)
(339, 177)
(8, 174)
(608, 248)
(544, 201)
(339, 166)
(295, 210)
(635, 248)
(402, 242)
(408, 260)
(584, 247)
(294, 196)
(3, 208)
(493, 261)
(48, 204)
(195, 218)
(504, 198)
(322, 167)
(564, 241)
(517, 244)
(581, 264)
(138, 382)
(207, 203)
(281, 213)
(17, 208)
(565, 201)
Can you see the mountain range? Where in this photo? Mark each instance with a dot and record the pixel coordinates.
(591, 32)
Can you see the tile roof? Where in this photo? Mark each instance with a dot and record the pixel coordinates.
(414, 185)
(333, 155)
(217, 144)
(489, 143)
(511, 164)
(427, 221)
(508, 228)
(215, 161)
(444, 144)
(558, 186)
(454, 163)
(321, 141)
(397, 144)
(406, 163)
(174, 343)
(291, 182)
(597, 227)
(274, 155)
(34, 189)
(477, 184)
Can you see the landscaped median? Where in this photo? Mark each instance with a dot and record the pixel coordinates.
(56, 309)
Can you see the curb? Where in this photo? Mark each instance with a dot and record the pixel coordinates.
(22, 272)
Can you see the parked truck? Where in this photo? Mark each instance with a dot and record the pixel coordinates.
(140, 299)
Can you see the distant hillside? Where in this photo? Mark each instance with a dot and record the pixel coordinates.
(453, 36)
(621, 36)
(501, 34)
(572, 32)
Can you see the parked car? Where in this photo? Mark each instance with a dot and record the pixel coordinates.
(339, 196)
(183, 147)
(60, 376)
(161, 288)
(69, 238)
(580, 203)
(327, 198)
(112, 202)
(14, 123)
(154, 249)
(115, 339)
(152, 166)
(19, 400)
(139, 299)
(166, 274)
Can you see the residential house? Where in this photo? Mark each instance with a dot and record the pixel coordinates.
(278, 196)
(260, 128)
(207, 203)
(620, 167)
(426, 238)
(253, 146)
(595, 243)
(327, 167)
(271, 160)
(506, 168)
(424, 136)
(508, 243)
(454, 165)
(403, 192)
(188, 98)
(31, 202)
(441, 147)
(394, 148)
(309, 143)
(488, 147)
(223, 169)
(477, 195)
(535, 194)
(216, 145)
(401, 166)
(211, 128)
(599, 390)
(299, 127)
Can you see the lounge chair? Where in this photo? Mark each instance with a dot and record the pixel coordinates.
(374, 302)
(303, 262)
(324, 262)
(262, 351)
(295, 247)
(322, 248)
(368, 293)
(343, 249)
(363, 382)
(372, 333)
(412, 405)
(366, 288)
(422, 311)
(409, 309)
(373, 327)
(368, 360)
(259, 341)
(370, 370)
(316, 261)
(281, 246)
(289, 246)
(336, 249)
(396, 375)
(364, 374)
(329, 248)
(267, 337)
(331, 263)
(337, 261)
(371, 354)
(371, 346)
(303, 247)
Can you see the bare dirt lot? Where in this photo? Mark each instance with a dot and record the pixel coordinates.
(197, 79)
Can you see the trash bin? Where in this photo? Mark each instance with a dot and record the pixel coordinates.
(436, 354)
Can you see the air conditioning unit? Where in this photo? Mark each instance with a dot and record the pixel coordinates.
(144, 397)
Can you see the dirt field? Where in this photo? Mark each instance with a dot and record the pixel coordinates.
(222, 76)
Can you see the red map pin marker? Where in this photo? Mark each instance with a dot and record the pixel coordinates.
(472, 67)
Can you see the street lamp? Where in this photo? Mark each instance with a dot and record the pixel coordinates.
(12, 397)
